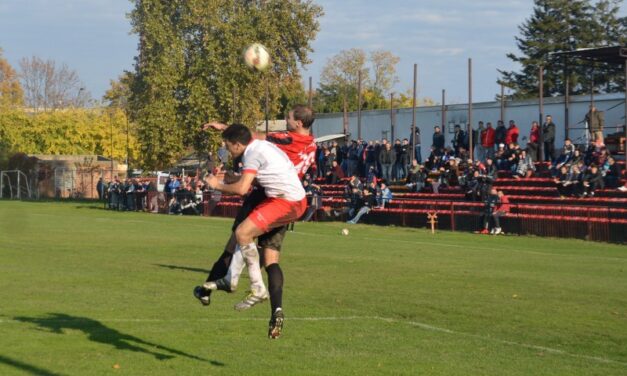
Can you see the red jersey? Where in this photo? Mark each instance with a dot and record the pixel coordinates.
(504, 206)
(300, 149)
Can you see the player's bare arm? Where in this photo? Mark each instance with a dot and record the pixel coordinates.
(240, 187)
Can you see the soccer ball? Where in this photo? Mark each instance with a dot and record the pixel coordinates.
(344, 231)
(257, 57)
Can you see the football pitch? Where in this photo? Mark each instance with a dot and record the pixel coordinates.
(85, 291)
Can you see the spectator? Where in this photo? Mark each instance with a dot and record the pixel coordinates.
(416, 177)
(459, 139)
(402, 160)
(512, 133)
(314, 200)
(352, 165)
(565, 181)
(385, 197)
(371, 157)
(367, 202)
(223, 154)
(100, 187)
(491, 203)
(480, 149)
(596, 122)
(487, 141)
(525, 167)
(533, 146)
(500, 133)
(491, 172)
(387, 158)
(612, 174)
(592, 181)
(502, 209)
(500, 158)
(335, 175)
(564, 158)
(548, 136)
(438, 140)
(416, 148)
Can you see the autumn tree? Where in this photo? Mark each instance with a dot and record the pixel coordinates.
(11, 93)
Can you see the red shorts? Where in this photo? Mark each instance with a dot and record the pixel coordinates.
(276, 212)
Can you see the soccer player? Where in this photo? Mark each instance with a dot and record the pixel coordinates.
(285, 202)
(299, 146)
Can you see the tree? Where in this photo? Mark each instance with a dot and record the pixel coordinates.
(339, 80)
(190, 65)
(561, 25)
(11, 93)
(384, 70)
(48, 86)
(119, 92)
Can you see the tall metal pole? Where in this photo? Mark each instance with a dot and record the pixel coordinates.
(413, 108)
(592, 88)
(310, 99)
(127, 143)
(444, 112)
(625, 142)
(392, 117)
(502, 102)
(359, 105)
(345, 119)
(470, 108)
(541, 114)
(567, 107)
(111, 124)
(267, 101)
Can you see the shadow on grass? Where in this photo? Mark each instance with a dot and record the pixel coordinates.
(28, 368)
(98, 332)
(187, 268)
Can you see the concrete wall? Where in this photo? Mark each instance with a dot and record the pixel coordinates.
(376, 124)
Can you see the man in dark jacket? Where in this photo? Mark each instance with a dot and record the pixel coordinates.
(548, 134)
(500, 133)
(438, 140)
(387, 158)
(592, 181)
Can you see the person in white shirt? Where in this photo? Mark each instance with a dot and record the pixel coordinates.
(285, 203)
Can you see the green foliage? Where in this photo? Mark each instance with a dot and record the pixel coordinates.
(190, 69)
(565, 25)
(66, 132)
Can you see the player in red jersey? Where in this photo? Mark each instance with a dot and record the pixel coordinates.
(298, 144)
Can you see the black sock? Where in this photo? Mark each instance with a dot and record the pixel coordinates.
(275, 286)
(220, 268)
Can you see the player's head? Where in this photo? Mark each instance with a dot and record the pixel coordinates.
(237, 137)
(300, 117)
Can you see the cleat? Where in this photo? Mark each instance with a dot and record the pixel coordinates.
(219, 284)
(275, 326)
(484, 231)
(199, 293)
(251, 300)
(497, 231)
(492, 231)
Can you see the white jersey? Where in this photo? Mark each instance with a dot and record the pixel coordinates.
(275, 172)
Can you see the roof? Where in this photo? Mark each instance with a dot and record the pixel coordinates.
(611, 54)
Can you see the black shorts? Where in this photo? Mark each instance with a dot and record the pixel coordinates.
(272, 239)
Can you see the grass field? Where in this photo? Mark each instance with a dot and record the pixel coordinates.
(84, 291)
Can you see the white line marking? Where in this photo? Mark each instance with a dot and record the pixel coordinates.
(356, 318)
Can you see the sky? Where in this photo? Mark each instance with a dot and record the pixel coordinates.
(94, 38)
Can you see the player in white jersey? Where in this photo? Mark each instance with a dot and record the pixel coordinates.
(285, 203)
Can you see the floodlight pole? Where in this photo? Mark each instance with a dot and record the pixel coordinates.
(567, 107)
(541, 115)
(470, 109)
(345, 118)
(359, 105)
(502, 102)
(310, 99)
(413, 109)
(392, 116)
(625, 141)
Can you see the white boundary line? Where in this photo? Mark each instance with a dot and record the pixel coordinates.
(362, 318)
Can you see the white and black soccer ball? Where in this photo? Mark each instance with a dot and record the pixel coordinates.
(345, 231)
(257, 57)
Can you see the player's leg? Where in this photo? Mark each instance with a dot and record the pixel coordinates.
(271, 243)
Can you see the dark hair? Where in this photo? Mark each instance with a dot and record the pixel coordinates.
(305, 114)
(237, 133)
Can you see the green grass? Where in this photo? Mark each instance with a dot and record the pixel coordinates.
(83, 290)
